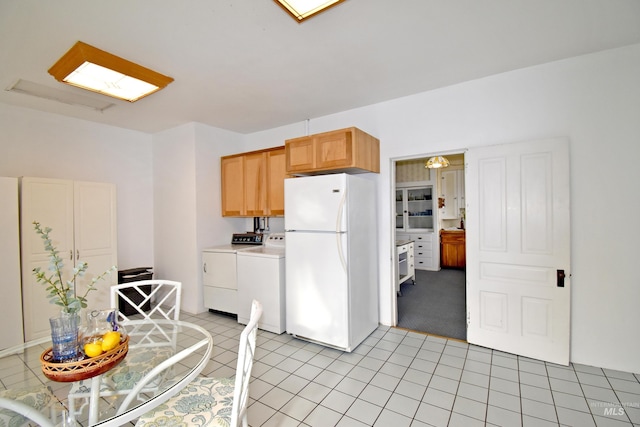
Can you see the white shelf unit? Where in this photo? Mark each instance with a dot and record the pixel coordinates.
(415, 208)
(405, 265)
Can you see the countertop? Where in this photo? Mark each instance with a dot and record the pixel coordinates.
(403, 242)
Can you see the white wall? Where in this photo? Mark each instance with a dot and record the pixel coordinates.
(186, 176)
(595, 101)
(34, 143)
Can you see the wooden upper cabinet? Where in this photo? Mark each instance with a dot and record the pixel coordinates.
(344, 150)
(253, 183)
(232, 185)
(300, 155)
(276, 174)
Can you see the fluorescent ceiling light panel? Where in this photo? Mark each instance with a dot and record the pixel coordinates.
(93, 69)
(303, 9)
(27, 87)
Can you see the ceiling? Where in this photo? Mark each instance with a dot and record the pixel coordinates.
(246, 66)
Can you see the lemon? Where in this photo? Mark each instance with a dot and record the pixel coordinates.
(110, 340)
(93, 349)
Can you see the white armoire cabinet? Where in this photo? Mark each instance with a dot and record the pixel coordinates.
(10, 264)
(82, 216)
(452, 191)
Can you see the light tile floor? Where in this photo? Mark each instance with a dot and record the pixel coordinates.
(399, 378)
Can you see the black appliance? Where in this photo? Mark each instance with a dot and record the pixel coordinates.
(134, 275)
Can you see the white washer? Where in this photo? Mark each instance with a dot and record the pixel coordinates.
(261, 276)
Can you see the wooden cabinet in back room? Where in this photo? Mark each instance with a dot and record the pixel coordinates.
(453, 250)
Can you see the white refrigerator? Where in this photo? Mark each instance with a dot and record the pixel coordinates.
(331, 259)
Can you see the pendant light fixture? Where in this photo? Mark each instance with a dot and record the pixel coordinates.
(93, 69)
(437, 162)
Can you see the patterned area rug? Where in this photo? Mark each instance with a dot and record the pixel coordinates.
(436, 304)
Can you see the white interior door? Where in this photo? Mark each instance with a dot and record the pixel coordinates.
(518, 248)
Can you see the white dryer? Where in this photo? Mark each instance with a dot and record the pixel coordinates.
(261, 276)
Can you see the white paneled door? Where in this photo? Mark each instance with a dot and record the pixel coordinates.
(82, 216)
(518, 248)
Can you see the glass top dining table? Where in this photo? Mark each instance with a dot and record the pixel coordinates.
(163, 357)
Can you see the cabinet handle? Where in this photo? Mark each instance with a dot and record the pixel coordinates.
(77, 254)
(71, 254)
(204, 267)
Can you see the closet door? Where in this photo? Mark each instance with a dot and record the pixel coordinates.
(49, 202)
(95, 237)
(10, 264)
(82, 216)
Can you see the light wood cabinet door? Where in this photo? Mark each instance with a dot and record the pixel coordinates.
(300, 155)
(276, 174)
(232, 191)
(334, 150)
(255, 184)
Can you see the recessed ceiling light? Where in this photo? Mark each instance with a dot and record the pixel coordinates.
(303, 9)
(93, 69)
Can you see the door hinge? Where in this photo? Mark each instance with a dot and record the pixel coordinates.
(468, 319)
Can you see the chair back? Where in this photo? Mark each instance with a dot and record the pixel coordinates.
(246, 353)
(149, 299)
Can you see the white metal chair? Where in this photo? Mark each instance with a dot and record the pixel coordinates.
(149, 299)
(163, 298)
(24, 407)
(222, 401)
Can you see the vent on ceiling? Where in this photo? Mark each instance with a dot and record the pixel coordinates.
(34, 89)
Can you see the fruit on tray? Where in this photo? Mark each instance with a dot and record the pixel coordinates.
(110, 340)
(93, 349)
(98, 345)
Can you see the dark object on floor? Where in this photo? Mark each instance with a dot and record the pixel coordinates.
(436, 304)
(134, 275)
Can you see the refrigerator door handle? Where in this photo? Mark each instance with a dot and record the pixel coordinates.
(343, 200)
(339, 233)
(341, 252)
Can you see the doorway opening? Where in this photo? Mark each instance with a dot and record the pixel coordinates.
(430, 237)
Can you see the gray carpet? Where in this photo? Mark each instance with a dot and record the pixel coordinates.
(436, 304)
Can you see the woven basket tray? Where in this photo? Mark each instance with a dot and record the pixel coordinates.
(82, 369)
